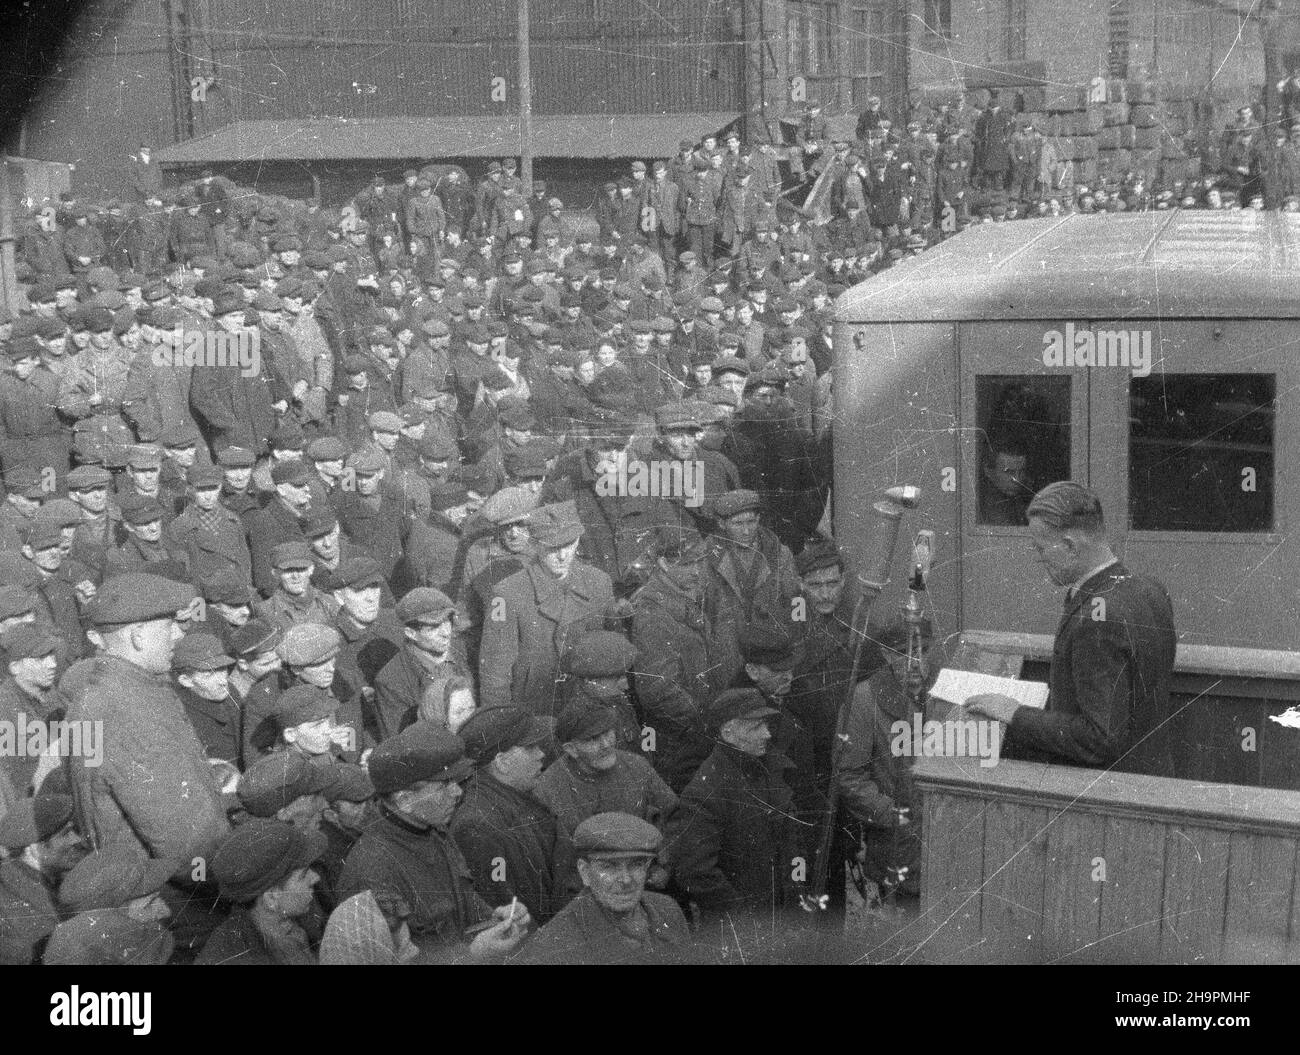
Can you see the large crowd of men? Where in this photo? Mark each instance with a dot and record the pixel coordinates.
(434, 578)
(444, 577)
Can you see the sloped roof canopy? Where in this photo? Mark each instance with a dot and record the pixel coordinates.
(349, 139)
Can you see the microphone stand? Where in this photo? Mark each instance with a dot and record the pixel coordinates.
(889, 513)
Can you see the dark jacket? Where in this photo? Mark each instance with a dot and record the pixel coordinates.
(584, 933)
(514, 847)
(1112, 662)
(519, 657)
(399, 686)
(425, 869)
(734, 837)
(217, 724)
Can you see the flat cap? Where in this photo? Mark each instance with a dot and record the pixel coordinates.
(599, 654)
(255, 637)
(819, 553)
(734, 502)
(236, 458)
(108, 937)
(138, 597)
(384, 421)
(423, 750)
(584, 719)
(492, 730)
(768, 644)
(88, 478)
(227, 587)
(39, 534)
(28, 641)
(319, 523)
(327, 449)
(260, 855)
(276, 780)
(287, 437)
(300, 704)
(738, 703)
(684, 415)
(137, 514)
(509, 506)
(556, 525)
(306, 644)
(201, 476)
(34, 819)
(200, 651)
(357, 573)
(290, 471)
(616, 835)
(111, 877)
(425, 604)
(368, 462)
(293, 554)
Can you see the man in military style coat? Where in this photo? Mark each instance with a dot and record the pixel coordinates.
(1113, 657)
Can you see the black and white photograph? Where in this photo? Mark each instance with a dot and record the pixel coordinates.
(651, 482)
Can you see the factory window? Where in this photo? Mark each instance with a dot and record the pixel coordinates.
(1201, 449)
(1023, 427)
(812, 30)
(1015, 28)
(938, 18)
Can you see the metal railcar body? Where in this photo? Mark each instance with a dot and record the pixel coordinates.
(1154, 357)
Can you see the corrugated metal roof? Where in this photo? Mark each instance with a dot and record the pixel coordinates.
(347, 139)
(1185, 263)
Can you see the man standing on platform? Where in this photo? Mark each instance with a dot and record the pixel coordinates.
(1113, 657)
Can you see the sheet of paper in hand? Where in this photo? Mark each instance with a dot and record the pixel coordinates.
(956, 686)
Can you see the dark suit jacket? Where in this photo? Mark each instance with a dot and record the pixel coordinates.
(1109, 689)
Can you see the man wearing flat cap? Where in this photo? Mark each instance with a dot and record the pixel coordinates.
(405, 853)
(266, 868)
(202, 670)
(618, 523)
(153, 790)
(532, 615)
(40, 845)
(592, 775)
(614, 920)
(751, 570)
(685, 658)
(29, 652)
(373, 519)
(493, 558)
(370, 631)
(513, 844)
(146, 540)
(431, 650)
(295, 600)
(280, 521)
(211, 534)
(736, 843)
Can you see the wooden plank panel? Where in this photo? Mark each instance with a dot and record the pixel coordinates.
(1072, 897)
(1261, 877)
(1015, 873)
(1196, 880)
(1132, 894)
(951, 872)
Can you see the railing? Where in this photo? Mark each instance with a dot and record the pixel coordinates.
(1027, 862)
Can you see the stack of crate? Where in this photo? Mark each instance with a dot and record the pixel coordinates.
(1129, 132)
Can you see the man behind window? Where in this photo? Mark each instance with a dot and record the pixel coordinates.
(1113, 656)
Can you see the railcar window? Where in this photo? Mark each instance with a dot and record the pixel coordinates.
(1201, 452)
(1024, 442)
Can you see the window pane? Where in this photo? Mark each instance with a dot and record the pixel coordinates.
(1201, 452)
(1024, 442)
